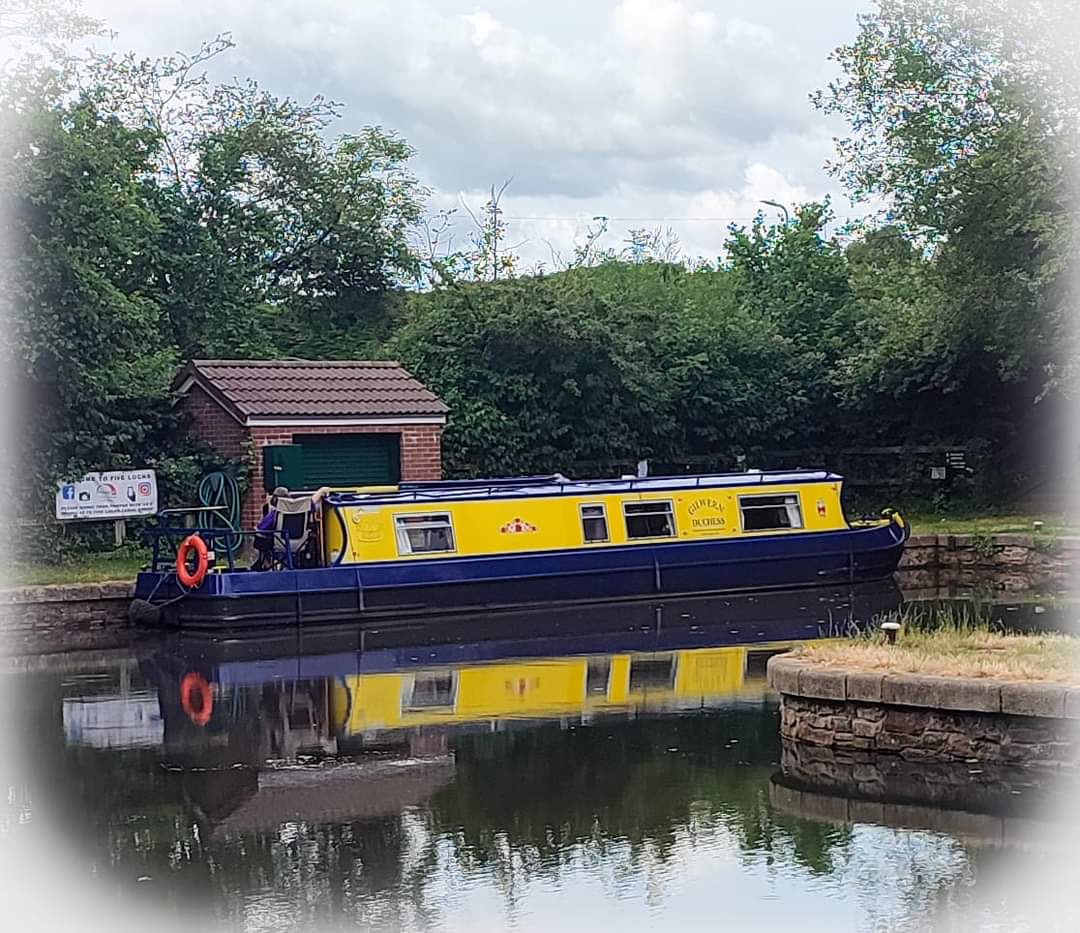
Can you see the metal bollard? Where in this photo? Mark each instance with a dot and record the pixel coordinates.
(890, 629)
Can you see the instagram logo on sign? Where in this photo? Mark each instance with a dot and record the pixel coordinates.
(144, 489)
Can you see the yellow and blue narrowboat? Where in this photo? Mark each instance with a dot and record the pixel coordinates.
(461, 545)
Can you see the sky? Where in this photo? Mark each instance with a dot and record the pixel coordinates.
(649, 112)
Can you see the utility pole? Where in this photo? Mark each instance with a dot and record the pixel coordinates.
(495, 210)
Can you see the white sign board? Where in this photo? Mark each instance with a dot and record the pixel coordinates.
(132, 721)
(104, 496)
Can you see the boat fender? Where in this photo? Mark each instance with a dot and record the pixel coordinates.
(198, 710)
(187, 577)
(893, 516)
(141, 612)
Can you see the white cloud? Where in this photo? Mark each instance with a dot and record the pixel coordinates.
(635, 108)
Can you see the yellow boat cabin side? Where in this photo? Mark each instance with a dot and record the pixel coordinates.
(419, 524)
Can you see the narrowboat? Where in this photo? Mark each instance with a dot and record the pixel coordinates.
(475, 544)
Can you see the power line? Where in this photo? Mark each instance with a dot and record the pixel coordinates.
(711, 220)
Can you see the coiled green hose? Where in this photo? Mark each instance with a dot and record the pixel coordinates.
(221, 490)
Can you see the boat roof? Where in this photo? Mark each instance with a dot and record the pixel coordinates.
(558, 485)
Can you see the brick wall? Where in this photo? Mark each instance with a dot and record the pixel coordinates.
(213, 424)
(421, 452)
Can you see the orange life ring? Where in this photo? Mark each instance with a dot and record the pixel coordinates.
(202, 561)
(195, 685)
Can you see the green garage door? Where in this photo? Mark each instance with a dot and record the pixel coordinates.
(350, 459)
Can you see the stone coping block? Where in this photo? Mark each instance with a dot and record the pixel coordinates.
(67, 592)
(1072, 703)
(959, 693)
(821, 683)
(789, 675)
(864, 686)
(1033, 699)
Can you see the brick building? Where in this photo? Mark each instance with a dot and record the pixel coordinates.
(305, 424)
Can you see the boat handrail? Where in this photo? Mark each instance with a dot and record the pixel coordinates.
(176, 533)
(435, 492)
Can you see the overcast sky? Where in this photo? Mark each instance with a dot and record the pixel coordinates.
(681, 113)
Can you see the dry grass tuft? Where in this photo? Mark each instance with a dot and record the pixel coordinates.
(956, 646)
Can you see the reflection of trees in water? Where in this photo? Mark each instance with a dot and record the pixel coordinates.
(536, 802)
(900, 878)
(620, 801)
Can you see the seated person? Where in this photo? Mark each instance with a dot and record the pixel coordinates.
(266, 531)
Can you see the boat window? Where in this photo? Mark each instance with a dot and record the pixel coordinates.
(435, 690)
(649, 519)
(424, 534)
(768, 513)
(597, 675)
(652, 673)
(594, 523)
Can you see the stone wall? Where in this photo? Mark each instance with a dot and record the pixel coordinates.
(980, 787)
(37, 619)
(930, 735)
(924, 718)
(1024, 825)
(1013, 561)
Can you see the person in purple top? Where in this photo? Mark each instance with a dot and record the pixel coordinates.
(264, 537)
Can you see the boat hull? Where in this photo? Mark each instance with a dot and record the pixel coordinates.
(379, 589)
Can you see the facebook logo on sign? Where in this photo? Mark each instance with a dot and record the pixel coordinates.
(68, 492)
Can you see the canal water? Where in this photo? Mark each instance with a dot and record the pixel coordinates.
(592, 768)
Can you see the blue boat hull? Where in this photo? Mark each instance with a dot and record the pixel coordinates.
(469, 583)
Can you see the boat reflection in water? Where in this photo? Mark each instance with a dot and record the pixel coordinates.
(289, 724)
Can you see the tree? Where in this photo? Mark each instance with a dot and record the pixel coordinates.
(42, 27)
(268, 226)
(794, 277)
(86, 342)
(156, 216)
(488, 256)
(928, 83)
(965, 121)
(598, 365)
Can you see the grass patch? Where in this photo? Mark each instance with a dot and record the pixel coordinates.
(967, 524)
(91, 568)
(954, 644)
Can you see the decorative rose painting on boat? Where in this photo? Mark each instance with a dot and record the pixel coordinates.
(516, 526)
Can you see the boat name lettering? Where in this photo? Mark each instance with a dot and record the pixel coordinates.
(707, 503)
(701, 521)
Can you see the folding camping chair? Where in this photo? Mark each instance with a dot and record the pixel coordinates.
(294, 520)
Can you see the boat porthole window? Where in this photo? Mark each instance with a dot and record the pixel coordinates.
(770, 513)
(649, 519)
(594, 523)
(424, 534)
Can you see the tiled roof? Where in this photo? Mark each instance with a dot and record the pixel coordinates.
(313, 388)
